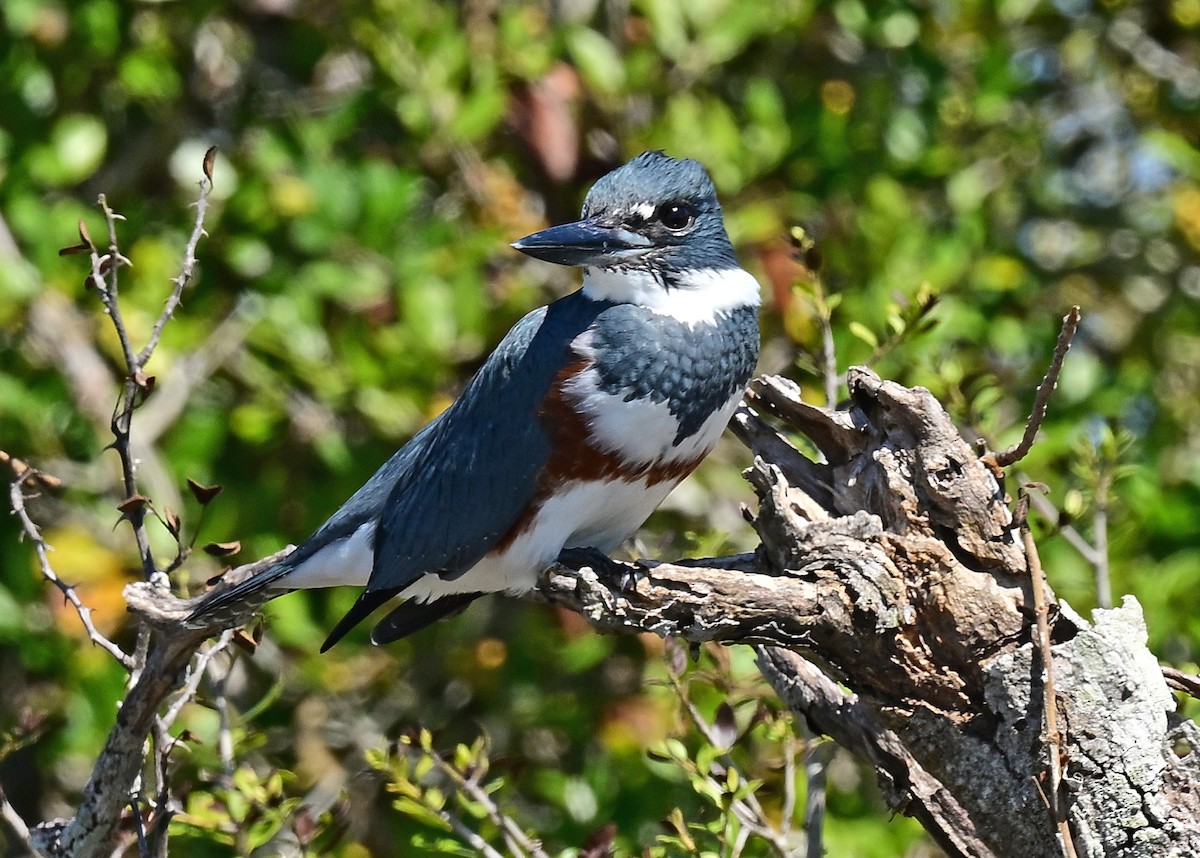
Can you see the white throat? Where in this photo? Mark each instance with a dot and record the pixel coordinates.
(694, 296)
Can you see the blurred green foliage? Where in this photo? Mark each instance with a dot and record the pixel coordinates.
(1010, 158)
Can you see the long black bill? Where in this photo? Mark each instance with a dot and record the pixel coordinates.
(585, 242)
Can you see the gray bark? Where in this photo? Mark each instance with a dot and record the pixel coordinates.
(894, 568)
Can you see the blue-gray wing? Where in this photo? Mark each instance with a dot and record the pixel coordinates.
(451, 493)
(459, 486)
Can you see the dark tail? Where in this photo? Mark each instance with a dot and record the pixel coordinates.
(412, 616)
(406, 618)
(253, 592)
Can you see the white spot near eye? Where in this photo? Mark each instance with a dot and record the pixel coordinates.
(644, 210)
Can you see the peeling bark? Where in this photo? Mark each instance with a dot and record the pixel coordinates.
(894, 568)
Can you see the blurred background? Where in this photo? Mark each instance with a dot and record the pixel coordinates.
(967, 172)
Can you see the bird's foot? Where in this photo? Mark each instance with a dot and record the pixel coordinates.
(624, 576)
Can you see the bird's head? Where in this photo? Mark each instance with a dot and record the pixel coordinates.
(654, 214)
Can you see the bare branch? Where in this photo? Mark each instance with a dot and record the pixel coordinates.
(1180, 681)
(1049, 511)
(26, 475)
(14, 823)
(816, 766)
(1055, 739)
(195, 675)
(184, 277)
(1041, 401)
(1104, 596)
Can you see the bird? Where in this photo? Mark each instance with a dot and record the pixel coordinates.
(572, 432)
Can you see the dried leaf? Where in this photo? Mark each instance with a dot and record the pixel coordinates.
(132, 504)
(244, 642)
(171, 520)
(210, 158)
(145, 383)
(222, 549)
(203, 493)
(84, 237)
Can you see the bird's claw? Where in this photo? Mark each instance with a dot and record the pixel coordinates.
(624, 577)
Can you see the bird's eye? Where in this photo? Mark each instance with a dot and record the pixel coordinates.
(677, 215)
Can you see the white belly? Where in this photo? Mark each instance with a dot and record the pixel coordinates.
(587, 515)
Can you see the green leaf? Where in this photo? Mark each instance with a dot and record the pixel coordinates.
(864, 333)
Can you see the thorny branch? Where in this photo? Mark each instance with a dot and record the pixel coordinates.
(27, 476)
(157, 661)
(184, 276)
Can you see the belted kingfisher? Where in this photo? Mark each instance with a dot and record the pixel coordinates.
(589, 412)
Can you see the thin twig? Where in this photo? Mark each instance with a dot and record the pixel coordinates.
(789, 785)
(195, 676)
(829, 369)
(1041, 400)
(513, 835)
(1055, 739)
(1104, 596)
(14, 823)
(224, 726)
(748, 811)
(105, 277)
(472, 837)
(16, 494)
(184, 277)
(1048, 510)
(1180, 681)
(106, 280)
